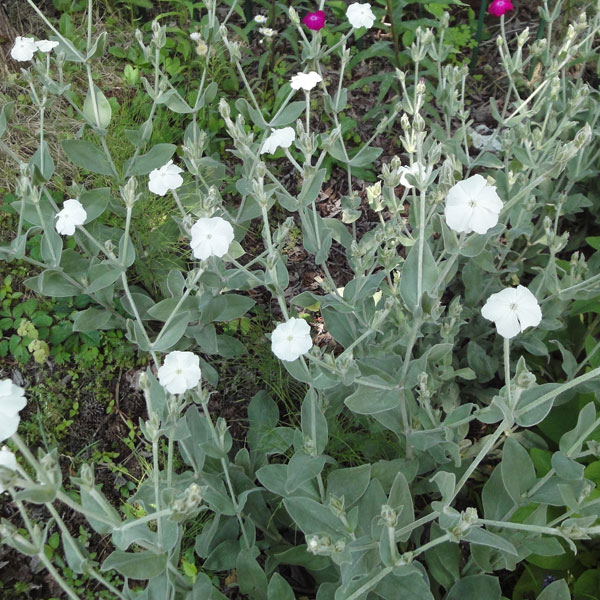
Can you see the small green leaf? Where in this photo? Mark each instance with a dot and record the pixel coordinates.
(97, 110)
(136, 565)
(84, 154)
(279, 589)
(155, 158)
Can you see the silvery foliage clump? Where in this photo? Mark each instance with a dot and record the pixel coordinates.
(401, 325)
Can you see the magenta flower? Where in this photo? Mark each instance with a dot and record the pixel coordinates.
(499, 7)
(315, 20)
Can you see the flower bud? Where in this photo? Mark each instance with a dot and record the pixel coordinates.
(86, 474)
(523, 37)
(337, 505)
(224, 109)
(374, 197)
(538, 47)
(128, 192)
(389, 516)
(153, 427)
(294, 17)
(159, 34)
(583, 136)
(109, 249)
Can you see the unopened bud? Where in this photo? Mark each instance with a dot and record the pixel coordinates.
(389, 516)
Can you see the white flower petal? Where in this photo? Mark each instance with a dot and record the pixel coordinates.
(8, 426)
(12, 400)
(360, 15)
(7, 459)
(72, 215)
(305, 81)
(279, 138)
(482, 220)
(166, 178)
(211, 237)
(46, 45)
(512, 310)
(508, 325)
(472, 205)
(23, 49)
(291, 340)
(459, 217)
(472, 186)
(179, 372)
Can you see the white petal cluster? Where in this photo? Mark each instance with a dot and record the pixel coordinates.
(305, 81)
(279, 138)
(25, 47)
(260, 19)
(164, 179)
(291, 339)
(46, 46)
(179, 372)
(512, 310)
(211, 237)
(268, 32)
(360, 15)
(72, 215)
(195, 36)
(7, 460)
(416, 170)
(472, 205)
(12, 400)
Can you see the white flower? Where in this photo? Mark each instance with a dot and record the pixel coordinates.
(24, 48)
(46, 45)
(291, 340)
(7, 460)
(179, 372)
(306, 81)
(195, 36)
(260, 19)
(512, 310)
(279, 138)
(417, 170)
(164, 179)
(267, 32)
(211, 237)
(472, 205)
(12, 400)
(72, 215)
(360, 15)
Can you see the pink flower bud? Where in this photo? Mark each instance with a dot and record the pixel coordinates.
(315, 20)
(499, 7)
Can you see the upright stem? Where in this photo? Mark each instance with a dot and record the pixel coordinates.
(156, 477)
(478, 33)
(507, 371)
(225, 467)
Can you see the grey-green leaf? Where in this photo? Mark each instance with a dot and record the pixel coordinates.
(557, 590)
(96, 108)
(279, 589)
(155, 158)
(136, 565)
(482, 587)
(410, 275)
(84, 154)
